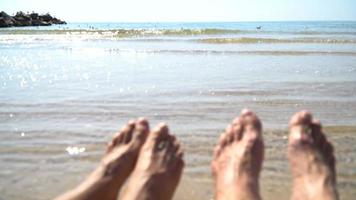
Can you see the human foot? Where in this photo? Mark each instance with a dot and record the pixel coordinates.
(158, 169)
(238, 158)
(312, 160)
(117, 164)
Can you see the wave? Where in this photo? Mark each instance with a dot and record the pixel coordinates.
(125, 32)
(226, 52)
(210, 36)
(221, 40)
(164, 32)
(250, 40)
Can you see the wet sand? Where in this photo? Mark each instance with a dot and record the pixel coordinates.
(46, 159)
(38, 164)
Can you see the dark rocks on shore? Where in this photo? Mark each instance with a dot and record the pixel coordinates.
(23, 19)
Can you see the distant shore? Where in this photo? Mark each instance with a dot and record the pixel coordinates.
(27, 19)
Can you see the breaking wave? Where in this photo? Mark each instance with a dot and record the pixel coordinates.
(222, 52)
(164, 32)
(248, 40)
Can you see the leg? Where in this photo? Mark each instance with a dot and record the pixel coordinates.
(238, 158)
(158, 169)
(116, 165)
(312, 160)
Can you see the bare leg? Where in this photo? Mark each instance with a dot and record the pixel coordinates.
(238, 158)
(158, 169)
(312, 160)
(117, 164)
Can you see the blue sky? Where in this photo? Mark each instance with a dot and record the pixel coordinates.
(187, 10)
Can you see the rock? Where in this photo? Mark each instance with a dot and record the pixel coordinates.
(4, 14)
(47, 17)
(34, 16)
(23, 19)
(37, 22)
(6, 20)
(58, 21)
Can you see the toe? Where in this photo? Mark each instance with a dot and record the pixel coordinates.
(178, 156)
(217, 151)
(237, 128)
(142, 128)
(160, 131)
(169, 149)
(328, 155)
(121, 136)
(175, 145)
(140, 133)
(250, 119)
(301, 118)
(229, 132)
(317, 134)
(160, 137)
(252, 126)
(246, 111)
(223, 139)
(143, 122)
(322, 144)
(170, 144)
(179, 163)
(232, 133)
(180, 153)
(117, 139)
(128, 131)
(300, 127)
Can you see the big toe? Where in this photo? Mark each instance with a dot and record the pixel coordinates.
(303, 117)
(140, 133)
(300, 128)
(252, 126)
(160, 137)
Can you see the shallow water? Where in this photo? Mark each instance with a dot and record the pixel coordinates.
(65, 89)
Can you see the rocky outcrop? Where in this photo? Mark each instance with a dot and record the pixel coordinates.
(6, 20)
(23, 19)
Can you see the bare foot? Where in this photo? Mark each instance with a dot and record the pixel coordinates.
(312, 160)
(238, 158)
(158, 169)
(117, 164)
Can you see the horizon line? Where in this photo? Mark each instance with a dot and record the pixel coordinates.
(248, 21)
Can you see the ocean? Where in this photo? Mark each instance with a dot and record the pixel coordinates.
(64, 90)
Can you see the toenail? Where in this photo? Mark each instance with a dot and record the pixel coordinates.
(142, 121)
(161, 145)
(163, 127)
(236, 120)
(307, 130)
(317, 122)
(246, 111)
(296, 134)
(228, 129)
(162, 124)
